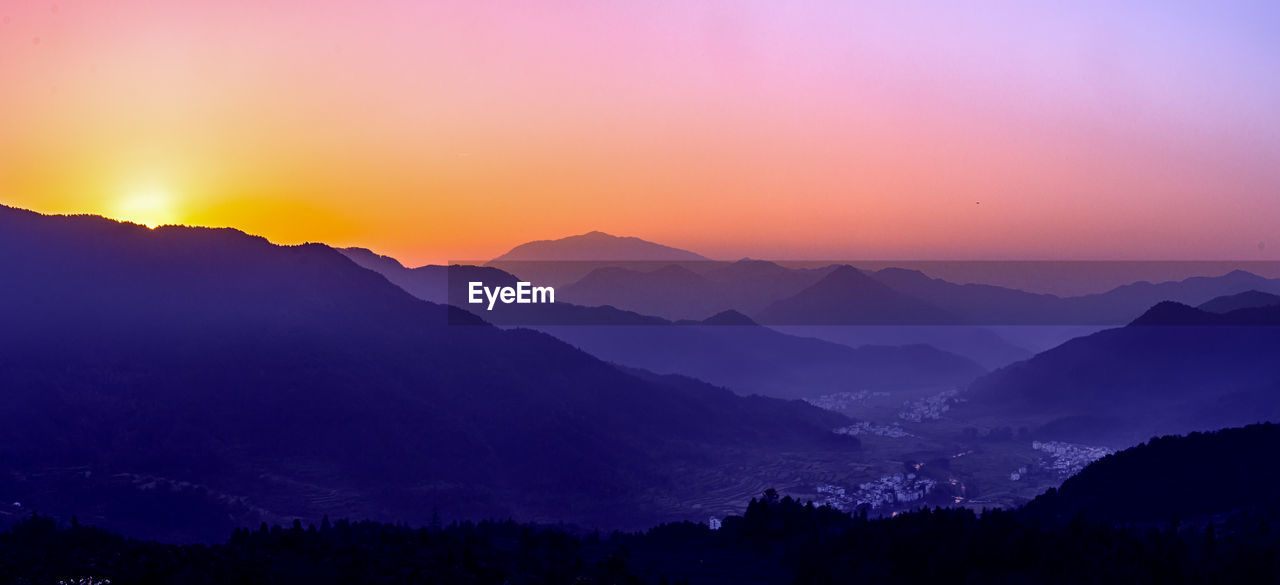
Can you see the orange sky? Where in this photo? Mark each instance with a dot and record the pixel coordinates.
(455, 130)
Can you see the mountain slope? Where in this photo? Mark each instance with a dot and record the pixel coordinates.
(758, 360)
(434, 283)
(268, 382)
(1173, 477)
(1174, 369)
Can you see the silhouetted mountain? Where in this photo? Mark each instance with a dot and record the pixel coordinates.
(982, 304)
(594, 246)
(729, 317)
(1174, 369)
(847, 296)
(691, 290)
(751, 285)
(241, 381)
(671, 292)
(1246, 300)
(998, 325)
(1176, 314)
(979, 344)
(991, 325)
(1174, 478)
(564, 261)
(748, 286)
(974, 304)
(1124, 303)
(371, 260)
(758, 360)
(727, 349)
(1171, 313)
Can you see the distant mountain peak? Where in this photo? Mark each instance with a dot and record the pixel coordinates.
(846, 274)
(1173, 313)
(847, 295)
(729, 317)
(597, 246)
(903, 272)
(1245, 274)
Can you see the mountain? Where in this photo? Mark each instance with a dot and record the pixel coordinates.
(992, 325)
(1245, 300)
(752, 286)
(1174, 369)
(566, 260)
(847, 296)
(174, 382)
(981, 345)
(671, 291)
(1173, 478)
(749, 286)
(981, 304)
(437, 284)
(972, 304)
(594, 246)
(726, 349)
(996, 326)
(680, 292)
(1122, 304)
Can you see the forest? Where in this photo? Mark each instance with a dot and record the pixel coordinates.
(776, 540)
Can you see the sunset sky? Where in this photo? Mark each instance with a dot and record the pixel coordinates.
(454, 130)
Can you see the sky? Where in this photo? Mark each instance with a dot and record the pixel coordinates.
(438, 130)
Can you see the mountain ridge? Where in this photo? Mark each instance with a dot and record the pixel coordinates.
(291, 382)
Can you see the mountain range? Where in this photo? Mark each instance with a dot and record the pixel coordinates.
(727, 349)
(844, 295)
(242, 381)
(991, 325)
(1245, 300)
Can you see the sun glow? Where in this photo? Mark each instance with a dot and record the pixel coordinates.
(150, 207)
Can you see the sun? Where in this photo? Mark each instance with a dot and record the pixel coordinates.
(151, 207)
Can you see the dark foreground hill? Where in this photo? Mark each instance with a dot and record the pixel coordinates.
(1068, 536)
(179, 381)
(1174, 478)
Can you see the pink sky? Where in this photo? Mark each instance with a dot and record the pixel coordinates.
(439, 130)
